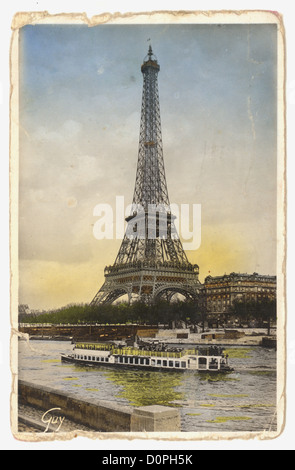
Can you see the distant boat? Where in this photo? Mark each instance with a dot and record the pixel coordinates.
(149, 356)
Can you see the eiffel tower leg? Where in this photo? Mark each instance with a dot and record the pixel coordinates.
(99, 296)
(107, 294)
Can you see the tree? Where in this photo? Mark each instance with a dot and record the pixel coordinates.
(267, 312)
(262, 311)
(244, 310)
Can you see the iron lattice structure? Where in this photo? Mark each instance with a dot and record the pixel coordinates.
(151, 263)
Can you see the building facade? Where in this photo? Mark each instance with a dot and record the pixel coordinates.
(219, 293)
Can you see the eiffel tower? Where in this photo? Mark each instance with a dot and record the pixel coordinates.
(151, 263)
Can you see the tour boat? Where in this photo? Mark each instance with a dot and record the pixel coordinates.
(149, 356)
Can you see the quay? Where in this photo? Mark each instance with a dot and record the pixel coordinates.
(87, 332)
(101, 416)
(182, 336)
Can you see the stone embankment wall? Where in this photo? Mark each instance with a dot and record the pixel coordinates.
(90, 332)
(101, 416)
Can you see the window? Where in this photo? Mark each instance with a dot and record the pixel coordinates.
(121, 359)
(89, 358)
(141, 360)
(93, 358)
(165, 363)
(183, 364)
(147, 361)
(97, 358)
(107, 359)
(202, 362)
(177, 364)
(102, 359)
(85, 357)
(170, 363)
(159, 362)
(153, 362)
(136, 360)
(131, 360)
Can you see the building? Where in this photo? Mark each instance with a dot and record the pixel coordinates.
(219, 293)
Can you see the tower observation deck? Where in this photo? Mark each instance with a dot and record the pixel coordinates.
(151, 263)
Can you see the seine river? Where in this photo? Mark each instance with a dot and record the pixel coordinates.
(244, 400)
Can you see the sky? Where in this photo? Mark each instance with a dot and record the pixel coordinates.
(80, 101)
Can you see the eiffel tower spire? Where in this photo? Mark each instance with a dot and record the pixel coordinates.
(150, 184)
(151, 249)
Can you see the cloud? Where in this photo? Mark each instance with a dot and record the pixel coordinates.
(68, 130)
(100, 70)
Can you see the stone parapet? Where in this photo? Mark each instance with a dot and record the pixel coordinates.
(100, 415)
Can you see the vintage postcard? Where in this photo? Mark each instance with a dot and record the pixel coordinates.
(148, 226)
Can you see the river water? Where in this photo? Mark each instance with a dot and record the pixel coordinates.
(244, 400)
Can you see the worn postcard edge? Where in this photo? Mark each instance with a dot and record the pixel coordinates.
(157, 17)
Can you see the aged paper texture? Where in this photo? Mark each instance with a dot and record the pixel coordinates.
(205, 93)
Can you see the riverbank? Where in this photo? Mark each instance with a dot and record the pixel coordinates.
(247, 341)
(217, 337)
(96, 333)
(49, 410)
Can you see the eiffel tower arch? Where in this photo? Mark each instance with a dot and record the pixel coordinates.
(151, 263)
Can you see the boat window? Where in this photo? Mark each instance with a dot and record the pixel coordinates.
(125, 360)
(93, 358)
(202, 363)
(153, 362)
(142, 361)
(131, 360)
(177, 364)
(159, 362)
(147, 361)
(102, 359)
(97, 358)
(136, 360)
(121, 359)
(170, 363)
(183, 364)
(213, 364)
(89, 358)
(165, 363)
(85, 357)
(107, 359)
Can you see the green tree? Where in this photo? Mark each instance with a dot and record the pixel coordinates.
(262, 311)
(267, 312)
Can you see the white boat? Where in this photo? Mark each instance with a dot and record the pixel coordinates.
(149, 356)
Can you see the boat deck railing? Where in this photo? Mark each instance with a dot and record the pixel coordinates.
(143, 352)
(129, 351)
